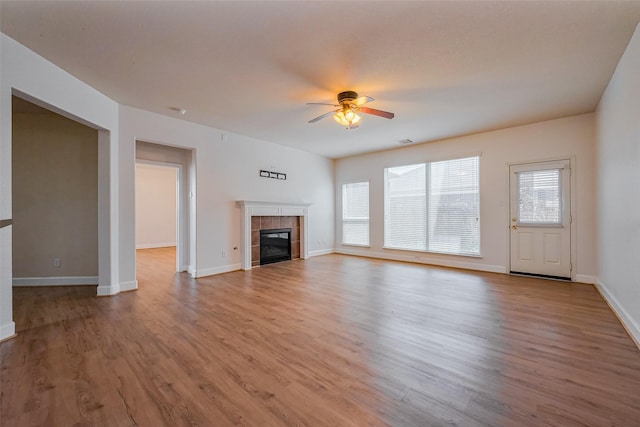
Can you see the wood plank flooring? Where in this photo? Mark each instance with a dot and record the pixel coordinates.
(330, 341)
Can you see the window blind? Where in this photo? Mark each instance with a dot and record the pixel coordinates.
(405, 207)
(434, 207)
(539, 195)
(355, 213)
(454, 206)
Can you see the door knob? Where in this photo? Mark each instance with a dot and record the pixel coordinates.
(514, 219)
(514, 227)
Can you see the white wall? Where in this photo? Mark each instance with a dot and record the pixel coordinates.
(226, 170)
(555, 139)
(618, 148)
(156, 207)
(32, 77)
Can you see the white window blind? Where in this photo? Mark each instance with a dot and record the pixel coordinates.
(454, 206)
(355, 213)
(434, 207)
(405, 207)
(539, 196)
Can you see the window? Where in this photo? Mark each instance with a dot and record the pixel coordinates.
(405, 207)
(355, 213)
(434, 207)
(539, 195)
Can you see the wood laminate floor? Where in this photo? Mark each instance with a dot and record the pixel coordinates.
(331, 341)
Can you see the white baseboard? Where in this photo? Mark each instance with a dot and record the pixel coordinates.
(155, 245)
(321, 252)
(191, 270)
(215, 270)
(585, 278)
(8, 330)
(129, 286)
(424, 260)
(108, 290)
(629, 324)
(55, 281)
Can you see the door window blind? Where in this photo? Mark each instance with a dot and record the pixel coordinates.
(355, 213)
(539, 196)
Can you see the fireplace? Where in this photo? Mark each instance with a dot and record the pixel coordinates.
(252, 212)
(275, 245)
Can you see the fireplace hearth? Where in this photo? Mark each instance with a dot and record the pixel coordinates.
(275, 245)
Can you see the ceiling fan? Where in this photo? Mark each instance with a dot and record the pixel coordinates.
(349, 105)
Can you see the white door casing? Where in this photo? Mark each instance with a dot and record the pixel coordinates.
(540, 218)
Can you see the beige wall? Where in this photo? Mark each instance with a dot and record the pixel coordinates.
(55, 197)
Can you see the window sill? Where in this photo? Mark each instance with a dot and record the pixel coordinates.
(431, 252)
(355, 244)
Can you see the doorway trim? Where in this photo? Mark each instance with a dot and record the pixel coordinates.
(572, 204)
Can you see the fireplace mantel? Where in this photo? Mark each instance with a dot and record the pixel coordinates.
(251, 208)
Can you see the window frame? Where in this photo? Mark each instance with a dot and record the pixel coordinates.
(356, 220)
(427, 193)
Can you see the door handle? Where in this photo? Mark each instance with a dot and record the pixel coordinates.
(514, 227)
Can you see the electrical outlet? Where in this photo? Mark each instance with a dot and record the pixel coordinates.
(224, 253)
(56, 262)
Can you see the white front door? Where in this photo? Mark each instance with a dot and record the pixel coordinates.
(540, 218)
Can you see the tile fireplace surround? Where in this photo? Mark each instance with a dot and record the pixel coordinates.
(259, 223)
(251, 209)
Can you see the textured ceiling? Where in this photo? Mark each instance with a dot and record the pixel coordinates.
(444, 68)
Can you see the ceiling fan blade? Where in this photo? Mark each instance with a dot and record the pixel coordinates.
(380, 113)
(363, 100)
(322, 103)
(321, 117)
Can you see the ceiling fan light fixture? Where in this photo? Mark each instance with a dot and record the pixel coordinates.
(349, 114)
(349, 106)
(346, 117)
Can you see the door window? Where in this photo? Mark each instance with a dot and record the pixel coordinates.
(540, 197)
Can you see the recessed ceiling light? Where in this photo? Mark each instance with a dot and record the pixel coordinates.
(179, 110)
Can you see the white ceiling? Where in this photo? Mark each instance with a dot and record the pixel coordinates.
(444, 68)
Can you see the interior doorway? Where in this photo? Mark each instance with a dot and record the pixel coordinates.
(165, 203)
(157, 201)
(55, 209)
(54, 198)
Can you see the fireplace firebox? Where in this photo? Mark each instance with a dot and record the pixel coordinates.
(275, 245)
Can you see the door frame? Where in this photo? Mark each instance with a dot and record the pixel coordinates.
(572, 206)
